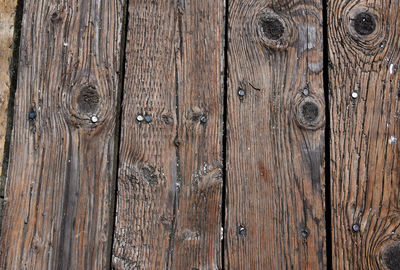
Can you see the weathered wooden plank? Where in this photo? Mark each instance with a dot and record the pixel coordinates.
(7, 16)
(169, 187)
(275, 136)
(364, 107)
(59, 189)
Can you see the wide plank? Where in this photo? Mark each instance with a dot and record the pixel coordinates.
(275, 215)
(60, 185)
(364, 54)
(170, 174)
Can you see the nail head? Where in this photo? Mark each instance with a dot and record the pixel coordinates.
(148, 118)
(203, 119)
(241, 92)
(354, 95)
(356, 227)
(32, 115)
(94, 119)
(140, 118)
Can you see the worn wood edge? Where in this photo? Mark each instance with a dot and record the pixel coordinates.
(8, 65)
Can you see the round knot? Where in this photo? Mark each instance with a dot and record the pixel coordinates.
(274, 30)
(364, 23)
(309, 113)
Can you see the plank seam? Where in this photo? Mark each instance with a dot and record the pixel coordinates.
(118, 127)
(224, 135)
(328, 220)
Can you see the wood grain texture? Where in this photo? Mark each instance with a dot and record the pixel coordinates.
(170, 179)
(7, 14)
(275, 136)
(59, 189)
(365, 165)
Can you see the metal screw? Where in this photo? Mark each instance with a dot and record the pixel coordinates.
(393, 140)
(304, 233)
(32, 115)
(306, 92)
(140, 118)
(354, 95)
(241, 92)
(94, 119)
(203, 119)
(148, 118)
(356, 227)
(242, 230)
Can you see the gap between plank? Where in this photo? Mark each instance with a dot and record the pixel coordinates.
(118, 125)
(224, 135)
(328, 221)
(19, 11)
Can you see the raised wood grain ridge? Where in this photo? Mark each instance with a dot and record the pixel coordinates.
(7, 16)
(275, 136)
(170, 175)
(364, 42)
(59, 189)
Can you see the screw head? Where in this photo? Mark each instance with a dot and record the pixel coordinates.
(148, 118)
(242, 230)
(94, 119)
(241, 92)
(356, 227)
(304, 233)
(354, 95)
(393, 140)
(306, 91)
(203, 119)
(139, 118)
(32, 115)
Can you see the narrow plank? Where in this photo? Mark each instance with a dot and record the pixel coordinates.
(275, 136)
(59, 189)
(170, 182)
(364, 42)
(7, 16)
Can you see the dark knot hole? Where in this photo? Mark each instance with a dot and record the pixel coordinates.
(88, 100)
(364, 23)
(272, 27)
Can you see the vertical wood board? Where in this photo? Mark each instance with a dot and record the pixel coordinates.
(170, 175)
(59, 190)
(364, 109)
(275, 136)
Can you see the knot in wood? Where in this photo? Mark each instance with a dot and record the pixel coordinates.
(274, 30)
(364, 23)
(88, 100)
(391, 257)
(309, 114)
(272, 27)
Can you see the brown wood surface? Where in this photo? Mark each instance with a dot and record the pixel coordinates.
(365, 163)
(7, 15)
(170, 174)
(59, 190)
(275, 136)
